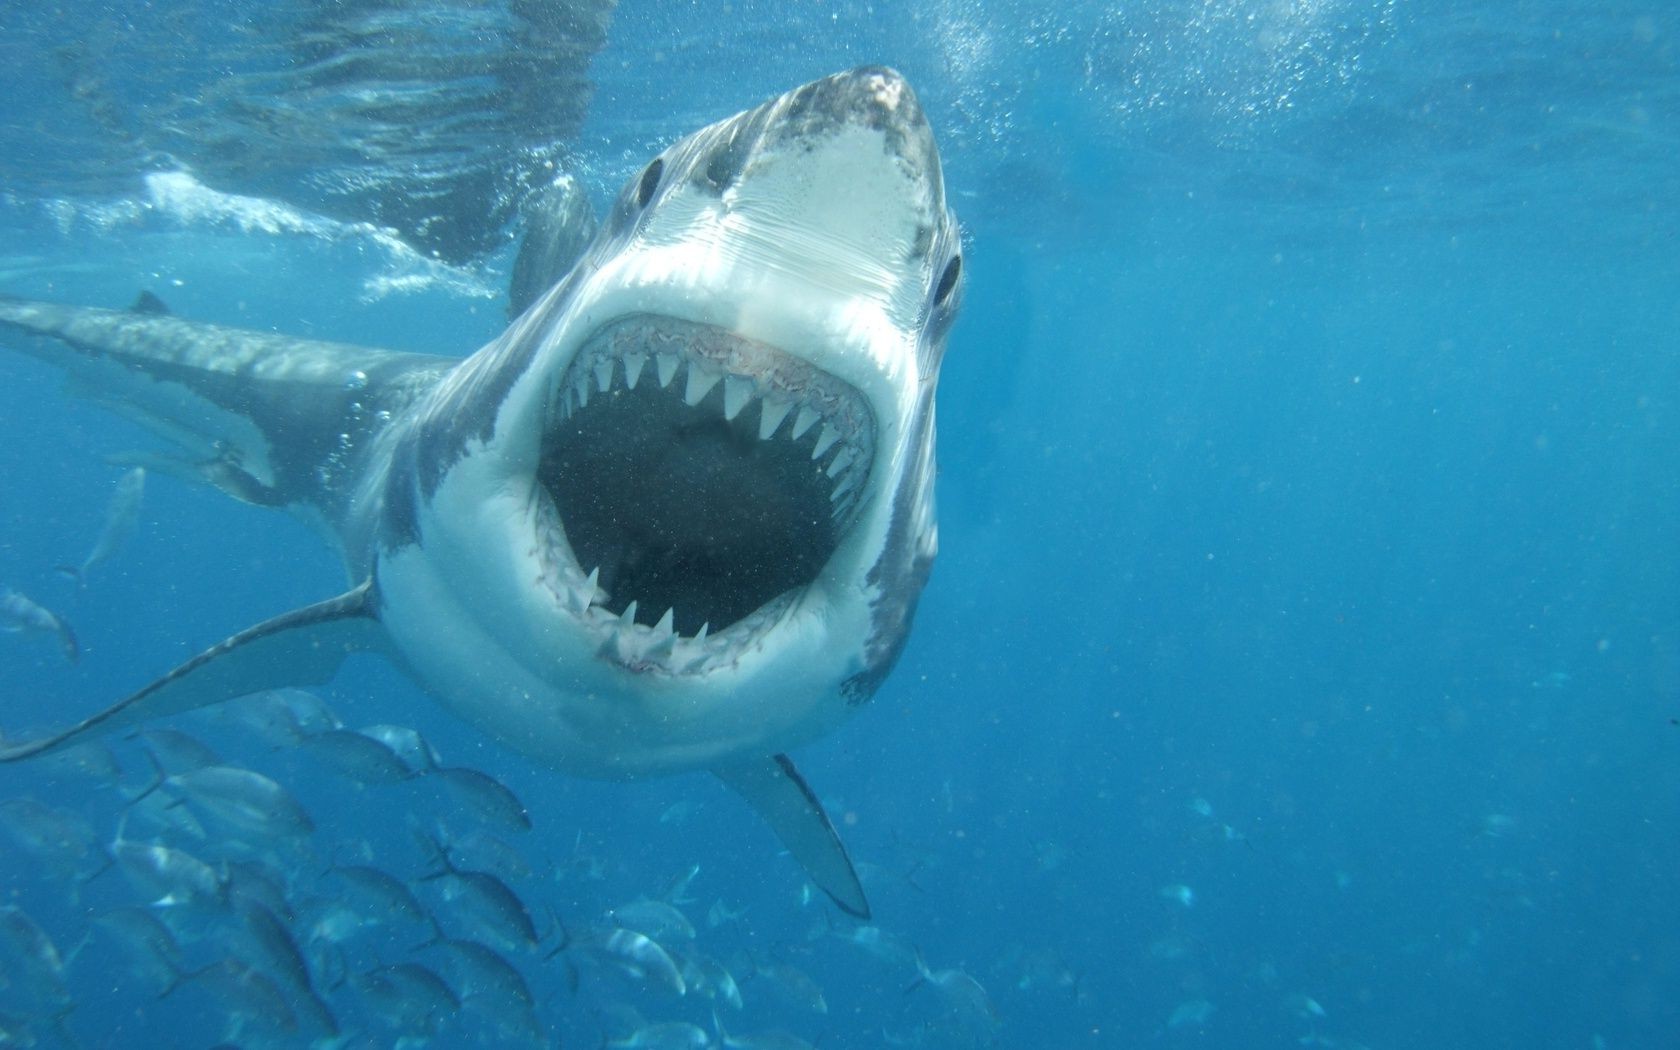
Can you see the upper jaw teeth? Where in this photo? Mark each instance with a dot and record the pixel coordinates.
(733, 375)
(759, 392)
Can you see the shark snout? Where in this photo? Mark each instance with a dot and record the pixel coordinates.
(874, 97)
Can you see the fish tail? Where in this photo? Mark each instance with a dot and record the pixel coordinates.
(437, 936)
(565, 934)
(67, 639)
(158, 777)
(433, 843)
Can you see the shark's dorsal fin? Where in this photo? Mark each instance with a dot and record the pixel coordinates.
(774, 788)
(301, 647)
(147, 303)
(267, 418)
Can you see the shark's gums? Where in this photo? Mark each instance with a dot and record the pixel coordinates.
(676, 517)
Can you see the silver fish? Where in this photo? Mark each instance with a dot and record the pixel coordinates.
(796, 984)
(965, 996)
(31, 968)
(486, 904)
(407, 743)
(408, 997)
(59, 839)
(642, 958)
(492, 799)
(283, 717)
(711, 979)
(121, 514)
(478, 970)
(358, 757)
(248, 993)
(666, 1035)
(154, 956)
(656, 919)
(18, 614)
(175, 751)
(241, 802)
(773, 1040)
(166, 876)
(380, 896)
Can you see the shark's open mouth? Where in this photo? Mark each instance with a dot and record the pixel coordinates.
(701, 481)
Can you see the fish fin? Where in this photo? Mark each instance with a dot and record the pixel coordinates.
(67, 638)
(301, 647)
(147, 303)
(559, 224)
(264, 417)
(774, 788)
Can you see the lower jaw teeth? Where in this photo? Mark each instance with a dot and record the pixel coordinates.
(640, 647)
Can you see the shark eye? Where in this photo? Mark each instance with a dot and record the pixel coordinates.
(948, 281)
(650, 182)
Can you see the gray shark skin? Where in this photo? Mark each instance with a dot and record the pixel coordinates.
(676, 517)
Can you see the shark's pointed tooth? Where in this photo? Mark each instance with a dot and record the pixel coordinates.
(628, 616)
(604, 374)
(774, 410)
(667, 367)
(846, 485)
(841, 461)
(825, 440)
(700, 635)
(577, 599)
(700, 383)
(806, 419)
(737, 391)
(620, 646)
(664, 637)
(581, 389)
(633, 365)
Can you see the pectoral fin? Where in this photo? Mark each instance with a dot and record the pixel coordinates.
(780, 795)
(301, 647)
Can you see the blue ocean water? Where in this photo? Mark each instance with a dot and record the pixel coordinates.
(1302, 662)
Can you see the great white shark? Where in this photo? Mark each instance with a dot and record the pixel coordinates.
(677, 517)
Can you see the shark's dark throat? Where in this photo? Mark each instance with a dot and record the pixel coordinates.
(723, 477)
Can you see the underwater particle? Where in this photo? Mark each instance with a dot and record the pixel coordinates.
(1179, 893)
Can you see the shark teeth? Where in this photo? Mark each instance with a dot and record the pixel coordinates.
(714, 360)
(773, 412)
(736, 391)
(667, 367)
(640, 648)
(700, 383)
(825, 422)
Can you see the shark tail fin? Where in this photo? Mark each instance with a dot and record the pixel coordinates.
(774, 788)
(301, 647)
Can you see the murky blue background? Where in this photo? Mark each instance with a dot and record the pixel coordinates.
(1310, 532)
